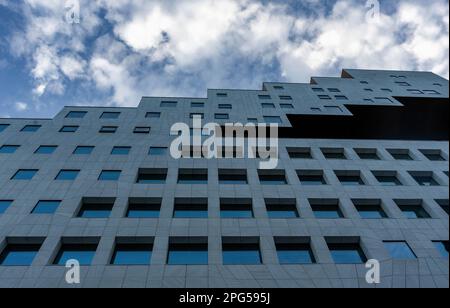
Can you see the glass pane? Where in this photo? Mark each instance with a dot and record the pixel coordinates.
(142, 213)
(19, 255)
(132, 257)
(282, 214)
(83, 150)
(190, 214)
(348, 256)
(400, 250)
(91, 213)
(8, 149)
(24, 175)
(121, 151)
(188, 257)
(46, 150)
(443, 248)
(4, 205)
(241, 257)
(295, 256)
(46, 207)
(109, 176)
(67, 175)
(236, 214)
(83, 254)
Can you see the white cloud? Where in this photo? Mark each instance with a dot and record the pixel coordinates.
(21, 106)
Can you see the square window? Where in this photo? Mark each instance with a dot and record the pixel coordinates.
(225, 106)
(311, 177)
(144, 207)
(158, 151)
(264, 97)
(31, 128)
(350, 178)
(76, 114)
(151, 176)
(46, 207)
(153, 115)
(400, 154)
(121, 151)
(132, 252)
(433, 155)
(9, 149)
(142, 130)
(169, 104)
(3, 127)
(287, 106)
(346, 253)
(233, 177)
(190, 208)
(24, 175)
(272, 177)
(300, 153)
(442, 247)
(424, 178)
(83, 252)
(83, 150)
(68, 129)
(293, 250)
(188, 251)
(285, 97)
(46, 149)
(412, 209)
(236, 208)
(369, 209)
(109, 175)
(221, 116)
(387, 178)
(268, 106)
(67, 175)
(399, 250)
(326, 208)
(197, 105)
(282, 208)
(444, 204)
(193, 176)
(241, 251)
(334, 153)
(367, 154)
(273, 120)
(4, 205)
(96, 207)
(108, 129)
(110, 115)
(19, 254)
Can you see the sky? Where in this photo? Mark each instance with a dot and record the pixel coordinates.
(56, 53)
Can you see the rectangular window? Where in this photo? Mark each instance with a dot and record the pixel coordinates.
(334, 90)
(346, 251)
(16, 253)
(287, 106)
(144, 207)
(370, 209)
(108, 129)
(169, 104)
(46, 149)
(188, 251)
(76, 114)
(133, 251)
(318, 90)
(300, 153)
(334, 153)
(341, 97)
(350, 178)
(433, 155)
(400, 154)
(9, 149)
(424, 178)
(193, 176)
(120, 151)
(268, 106)
(110, 115)
(236, 208)
(412, 209)
(367, 154)
(278, 87)
(324, 97)
(96, 207)
(294, 250)
(190, 208)
(197, 105)
(67, 175)
(3, 127)
(444, 204)
(221, 116)
(326, 208)
(151, 176)
(83, 150)
(442, 247)
(153, 115)
(282, 208)
(4, 205)
(285, 97)
(157, 151)
(241, 251)
(69, 129)
(142, 130)
(83, 250)
(387, 178)
(222, 95)
(399, 250)
(273, 120)
(264, 97)
(311, 177)
(109, 175)
(31, 128)
(402, 84)
(46, 207)
(24, 175)
(272, 177)
(233, 176)
(225, 106)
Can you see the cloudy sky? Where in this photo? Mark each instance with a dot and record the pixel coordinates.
(113, 52)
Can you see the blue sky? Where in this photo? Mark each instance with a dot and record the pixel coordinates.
(124, 49)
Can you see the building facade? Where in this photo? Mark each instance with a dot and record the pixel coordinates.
(362, 175)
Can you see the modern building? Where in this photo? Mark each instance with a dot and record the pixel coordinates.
(362, 175)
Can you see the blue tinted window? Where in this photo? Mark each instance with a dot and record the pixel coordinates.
(197, 105)
(371, 212)
(326, 209)
(282, 212)
(153, 115)
(84, 254)
(287, 106)
(143, 210)
(76, 114)
(4, 205)
(225, 106)
(67, 175)
(350, 180)
(157, 151)
(188, 254)
(275, 120)
(264, 97)
(400, 250)
(110, 115)
(347, 254)
(151, 177)
(108, 129)
(442, 247)
(3, 127)
(31, 128)
(241, 255)
(46, 207)
(295, 254)
(414, 211)
(68, 129)
(221, 116)
(388, 180)
(121, 151)
(83, 150)
(109, 176)
(132, 254)
(19, 255)
(24, 175)
(46, 149)
(142, 130)
(95, 209)
(168, 104)
(8, 149)
(194, 177)
(190, 210)
(236, 213)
